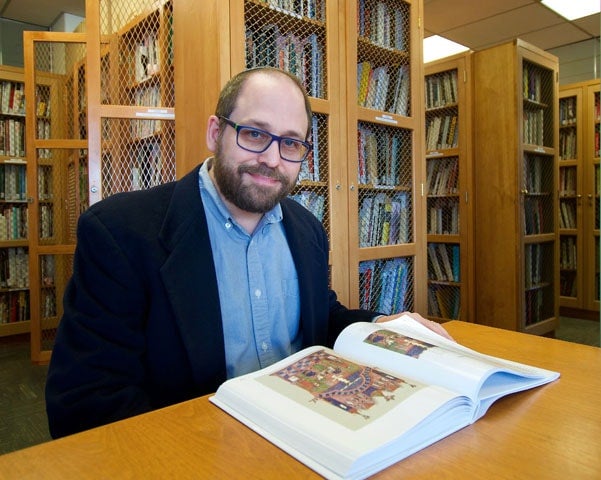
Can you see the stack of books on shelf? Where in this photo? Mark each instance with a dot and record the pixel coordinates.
(384, 284)
(384, 219)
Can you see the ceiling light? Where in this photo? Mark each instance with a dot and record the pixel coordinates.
(571, 9)
(436, 47)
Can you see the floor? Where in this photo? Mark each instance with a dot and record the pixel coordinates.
(22, 385)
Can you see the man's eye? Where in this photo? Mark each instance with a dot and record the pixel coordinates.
(290, 143)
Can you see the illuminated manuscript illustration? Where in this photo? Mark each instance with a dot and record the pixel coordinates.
(350, 387)
(398, 343)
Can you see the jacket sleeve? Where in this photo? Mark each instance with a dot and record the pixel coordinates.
(96, 372)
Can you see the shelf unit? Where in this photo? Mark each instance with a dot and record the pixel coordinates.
(516, 209)
(14, 236)
(448, 118)
(384, 75)
(579, 197)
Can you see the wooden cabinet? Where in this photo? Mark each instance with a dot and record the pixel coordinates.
(327, 44)
(448, 124)
(579, 197)
(516, 215)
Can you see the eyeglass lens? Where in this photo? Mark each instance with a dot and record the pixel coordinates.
(258, 141)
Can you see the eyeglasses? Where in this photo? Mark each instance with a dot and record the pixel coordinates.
(256, 140)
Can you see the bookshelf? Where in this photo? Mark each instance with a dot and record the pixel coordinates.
(579, 197)
(448, 117)
(516, 209)
(384, 74)
(14, 245)
(328, 39)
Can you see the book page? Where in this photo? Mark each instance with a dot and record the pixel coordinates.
(409, 348)
(333, 411)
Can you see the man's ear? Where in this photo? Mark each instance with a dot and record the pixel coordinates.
(212, 133)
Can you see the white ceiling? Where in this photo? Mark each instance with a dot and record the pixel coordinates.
(479, 24)
(476, 24)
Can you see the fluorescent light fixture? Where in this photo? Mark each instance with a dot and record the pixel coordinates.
(436, 47)
(573, 9)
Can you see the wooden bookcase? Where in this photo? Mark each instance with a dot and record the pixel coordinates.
(333, 38)
(579, 197)
(384, 135)
(516, 209)
(14, 236)
(448, 124)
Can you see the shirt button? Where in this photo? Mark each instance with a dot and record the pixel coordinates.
(264, 346)
(258, 293)
(228, 225)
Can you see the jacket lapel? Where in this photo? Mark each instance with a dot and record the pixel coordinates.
(190, 281)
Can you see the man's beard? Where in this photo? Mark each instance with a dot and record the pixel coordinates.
(250, 198)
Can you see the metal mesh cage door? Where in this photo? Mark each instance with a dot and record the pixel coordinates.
(57, 163)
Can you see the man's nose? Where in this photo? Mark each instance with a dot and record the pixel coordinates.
(271, 156)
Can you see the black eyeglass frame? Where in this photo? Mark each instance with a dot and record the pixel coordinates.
(277, 138)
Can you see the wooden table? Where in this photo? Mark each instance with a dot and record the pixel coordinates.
(553, 431)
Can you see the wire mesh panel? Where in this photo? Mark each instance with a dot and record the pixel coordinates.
(58, 186)
(383, 43)
(538, 192)
(444, 275)
(539, 197)
(311, 189)
(597, 276)
(138, 63)
(539, 269)
(136, 69)
(539, 218)
(55, 270)
(538, 85)
(568, 196)
(386, 285)
(568, 263)
(291, 36)
(385, 179)
(136, 154)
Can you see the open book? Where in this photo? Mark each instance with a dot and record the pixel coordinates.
(386, 391)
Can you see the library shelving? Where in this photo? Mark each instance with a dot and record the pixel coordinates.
(14, 246)
(579, 197)
(448, 116)
(326, 44)
(384, 74)
(515, 177)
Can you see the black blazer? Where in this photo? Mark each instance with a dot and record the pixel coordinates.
(142, 327)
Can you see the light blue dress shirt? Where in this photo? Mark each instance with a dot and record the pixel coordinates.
(258, 285)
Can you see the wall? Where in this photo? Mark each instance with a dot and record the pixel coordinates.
(11, 41)
(11, 36)
(578, 62)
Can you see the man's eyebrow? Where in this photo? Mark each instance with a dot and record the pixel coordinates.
(264, 126)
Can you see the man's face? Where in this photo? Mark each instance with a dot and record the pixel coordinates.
(256, 182)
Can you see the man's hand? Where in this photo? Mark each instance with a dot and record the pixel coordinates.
(434, 326)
